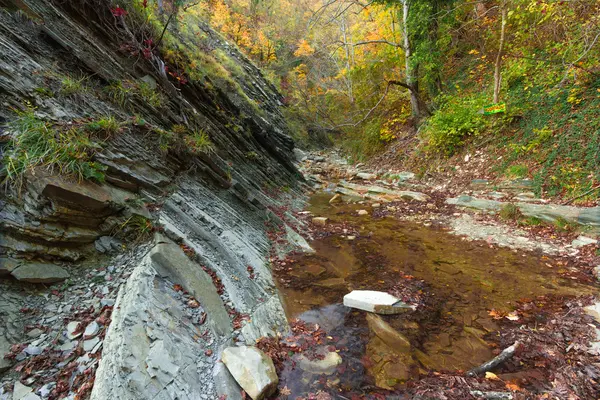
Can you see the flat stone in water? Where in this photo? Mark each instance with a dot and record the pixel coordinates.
(375, 302)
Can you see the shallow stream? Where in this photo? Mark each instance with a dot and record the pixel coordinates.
(457, 283)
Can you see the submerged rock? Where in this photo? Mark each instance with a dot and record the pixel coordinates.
(375, 302)
(40, 273)
(325, 366)
(252, 369)
(387, 334)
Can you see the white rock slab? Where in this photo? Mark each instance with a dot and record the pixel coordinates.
(252, 369)
(366, 176)
(375, 302)
(583, 241)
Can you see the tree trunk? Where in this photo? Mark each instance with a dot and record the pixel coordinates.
(411, 79)
(348, 47)
(497, 73)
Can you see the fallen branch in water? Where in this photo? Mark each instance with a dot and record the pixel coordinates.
(494, 362)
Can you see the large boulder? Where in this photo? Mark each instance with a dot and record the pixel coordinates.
(38, 272)
(252, 369)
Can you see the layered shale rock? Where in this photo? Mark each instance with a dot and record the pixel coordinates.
(212, 208)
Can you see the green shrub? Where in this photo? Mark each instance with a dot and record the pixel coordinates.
(447, 130)
(150, 95)
(36, 143)
(531, 221)
(106, 125)
(363, 143)
(136, 227)
(179, 129)
(165, 139)
(199, 142)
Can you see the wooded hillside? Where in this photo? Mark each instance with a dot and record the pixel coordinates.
(366, 74)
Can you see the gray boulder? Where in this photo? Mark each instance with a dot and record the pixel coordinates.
(7, 265)
(38, 272)
(252, 369)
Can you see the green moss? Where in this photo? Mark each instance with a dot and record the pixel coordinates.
(563, 225)
(510, 212)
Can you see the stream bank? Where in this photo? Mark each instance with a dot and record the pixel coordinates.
(479, 284)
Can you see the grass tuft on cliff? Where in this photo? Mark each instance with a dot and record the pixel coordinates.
(36, 143)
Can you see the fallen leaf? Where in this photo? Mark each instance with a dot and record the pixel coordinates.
(512, 316)
(491, 376)
(285, 391)
(496, 314)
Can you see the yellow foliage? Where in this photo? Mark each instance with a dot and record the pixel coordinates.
(304, 49)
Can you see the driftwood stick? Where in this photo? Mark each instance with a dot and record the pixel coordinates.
(494, 362)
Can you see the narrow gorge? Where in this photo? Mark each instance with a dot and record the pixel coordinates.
(163, 237)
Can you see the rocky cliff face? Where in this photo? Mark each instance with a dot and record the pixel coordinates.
(175, 215)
